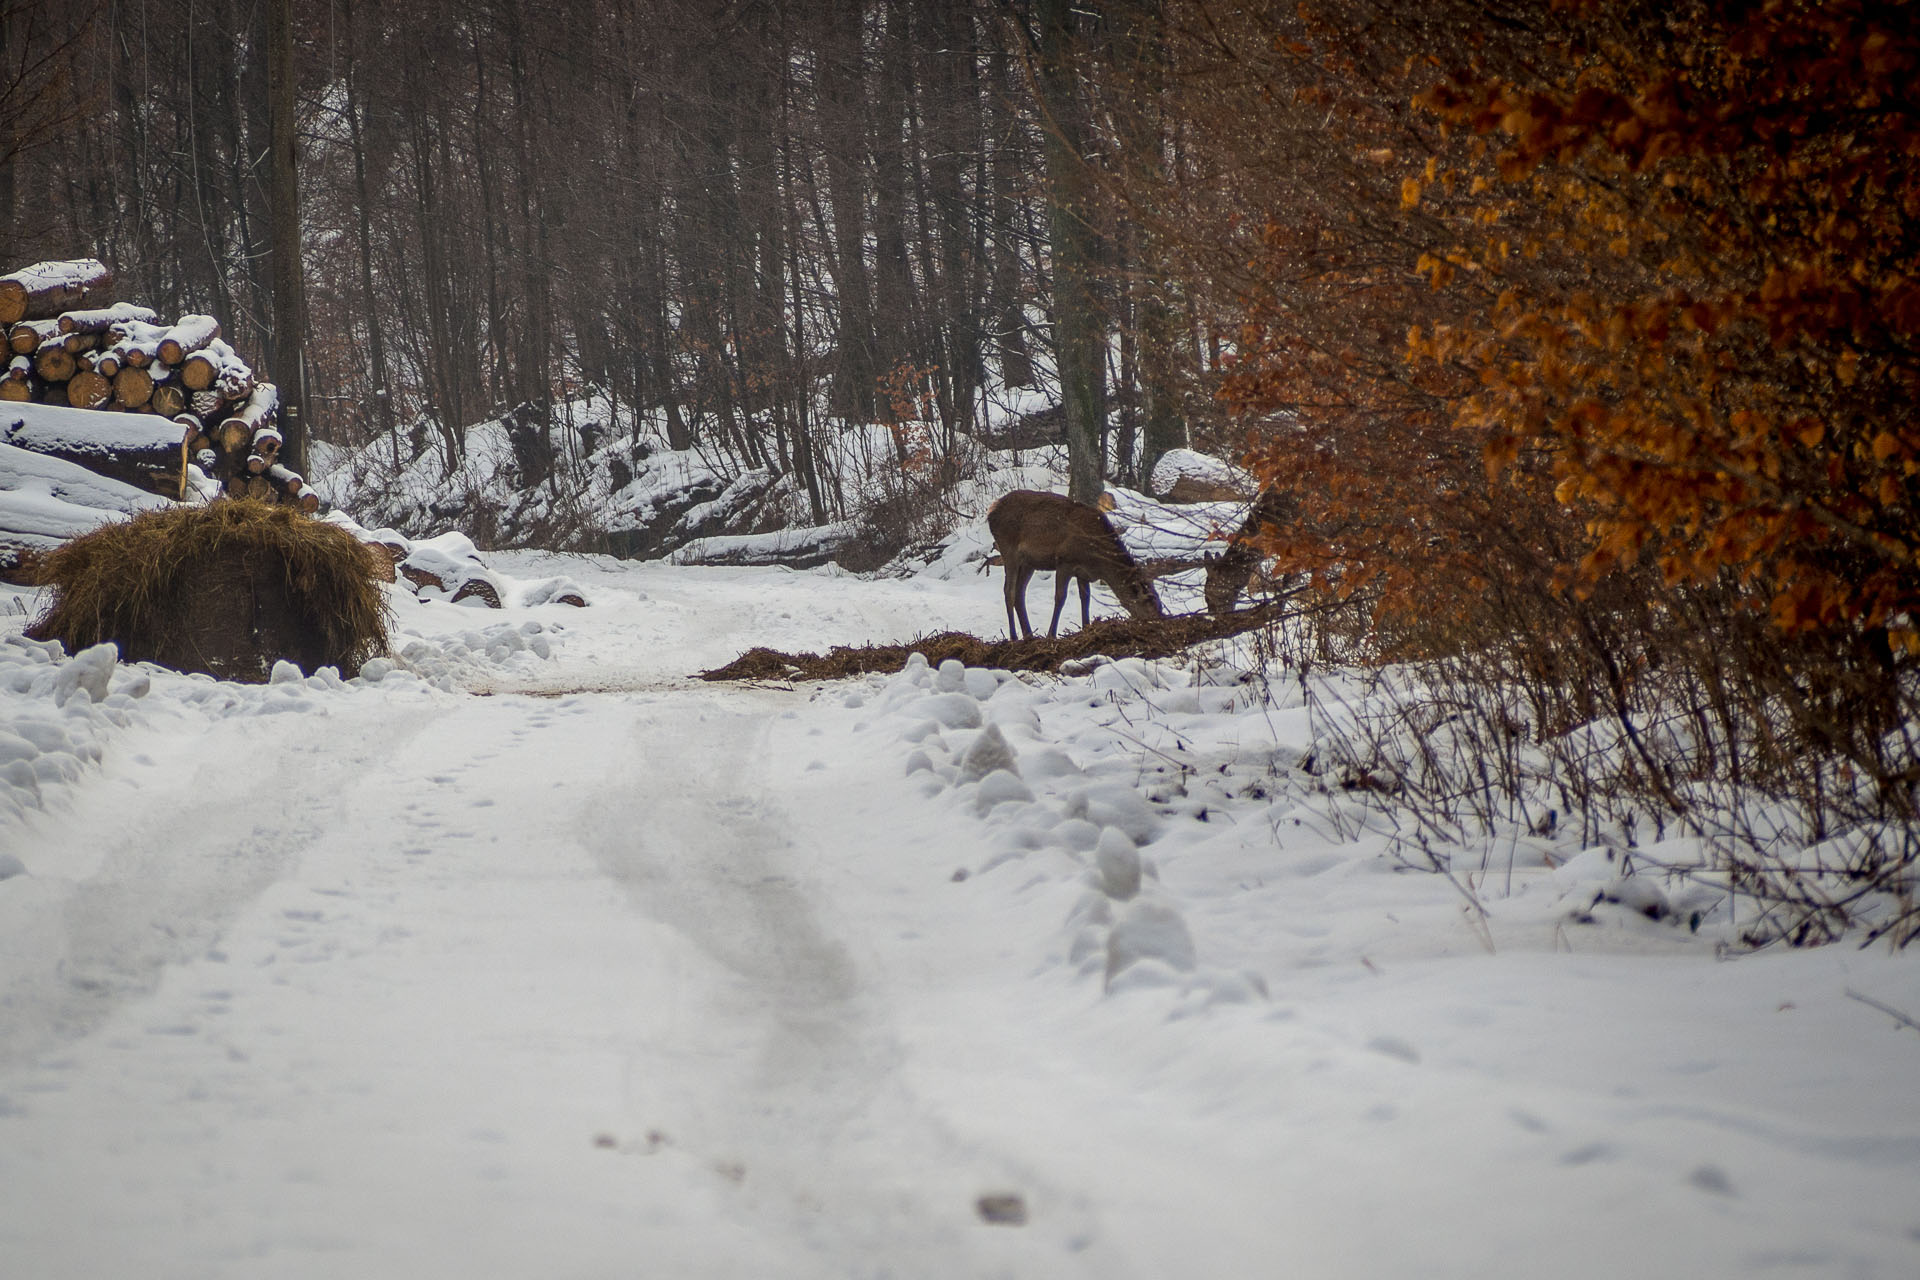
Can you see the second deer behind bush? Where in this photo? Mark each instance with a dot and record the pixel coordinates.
(1034, 530)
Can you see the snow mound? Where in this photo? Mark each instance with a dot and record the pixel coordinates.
(62, 715)
(1183, 475)
(464, 659)
(448, 568)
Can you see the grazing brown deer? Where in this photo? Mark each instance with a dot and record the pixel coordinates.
(1035, 530)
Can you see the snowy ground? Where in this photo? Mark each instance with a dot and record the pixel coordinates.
(537, 957)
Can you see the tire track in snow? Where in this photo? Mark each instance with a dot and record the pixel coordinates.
(798, 1072)
(101, 941)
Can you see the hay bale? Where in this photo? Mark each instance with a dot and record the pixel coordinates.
(227, 589)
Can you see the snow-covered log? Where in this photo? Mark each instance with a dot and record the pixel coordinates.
(136, 448)
(286, 485)
(45, 500)
(28, 336)
(805, 548)
(1184, 476)
(187, 336)
(248, 432)
(101, 319)
(267, 443)
(48, 288)
(257, 410)
(217, 367)
(137, 344)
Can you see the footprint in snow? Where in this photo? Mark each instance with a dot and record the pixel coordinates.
(1589, 1154)
(1395, 1047)
(1712, 1179)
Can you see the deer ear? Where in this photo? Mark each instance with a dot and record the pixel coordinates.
(1106, 502)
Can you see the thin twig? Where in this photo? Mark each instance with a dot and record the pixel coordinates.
(1887, 1009)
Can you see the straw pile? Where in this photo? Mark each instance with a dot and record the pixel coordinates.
(227, 589)
(1116, 638)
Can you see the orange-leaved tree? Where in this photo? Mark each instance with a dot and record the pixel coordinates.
(1713, 334)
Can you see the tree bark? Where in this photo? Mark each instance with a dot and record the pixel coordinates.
(288, 360)
(1079, 325)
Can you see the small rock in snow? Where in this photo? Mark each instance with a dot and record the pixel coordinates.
(999, 787)
(1638, 894)
(1050, 762)
(1117, 861)
(1075, 835)
(1149, 930)
(91, 670)
(922, 731)
(989, 751)
(1115, 805)
(981, 683)
(1002, 1208)
(954, 710)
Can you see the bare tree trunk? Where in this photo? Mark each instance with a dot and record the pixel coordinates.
(376, 337)
(289, 369)
(1079, 326)
(843, 102)
(1008, 304)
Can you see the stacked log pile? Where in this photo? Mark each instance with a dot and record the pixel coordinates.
(69, 344)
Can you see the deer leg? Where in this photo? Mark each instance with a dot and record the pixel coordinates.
(1017, 579)
(1086, 603)
(1061, 581)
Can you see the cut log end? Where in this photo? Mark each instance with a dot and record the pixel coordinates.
(45, 289)
(133, 388)
(55, 364)
(88, 390)
(169, 399)
(478, 589)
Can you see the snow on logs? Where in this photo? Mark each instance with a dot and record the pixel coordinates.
(46, 289)
(70, 345)
(46, 500)
(137, 449)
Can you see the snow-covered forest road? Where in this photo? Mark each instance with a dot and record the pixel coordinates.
(612, 973)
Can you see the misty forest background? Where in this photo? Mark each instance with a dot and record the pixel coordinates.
(1576, 344)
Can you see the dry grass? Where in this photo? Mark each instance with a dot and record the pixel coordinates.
(1118, 638)
(144, 584)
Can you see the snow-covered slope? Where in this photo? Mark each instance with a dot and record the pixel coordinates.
(527, 953)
